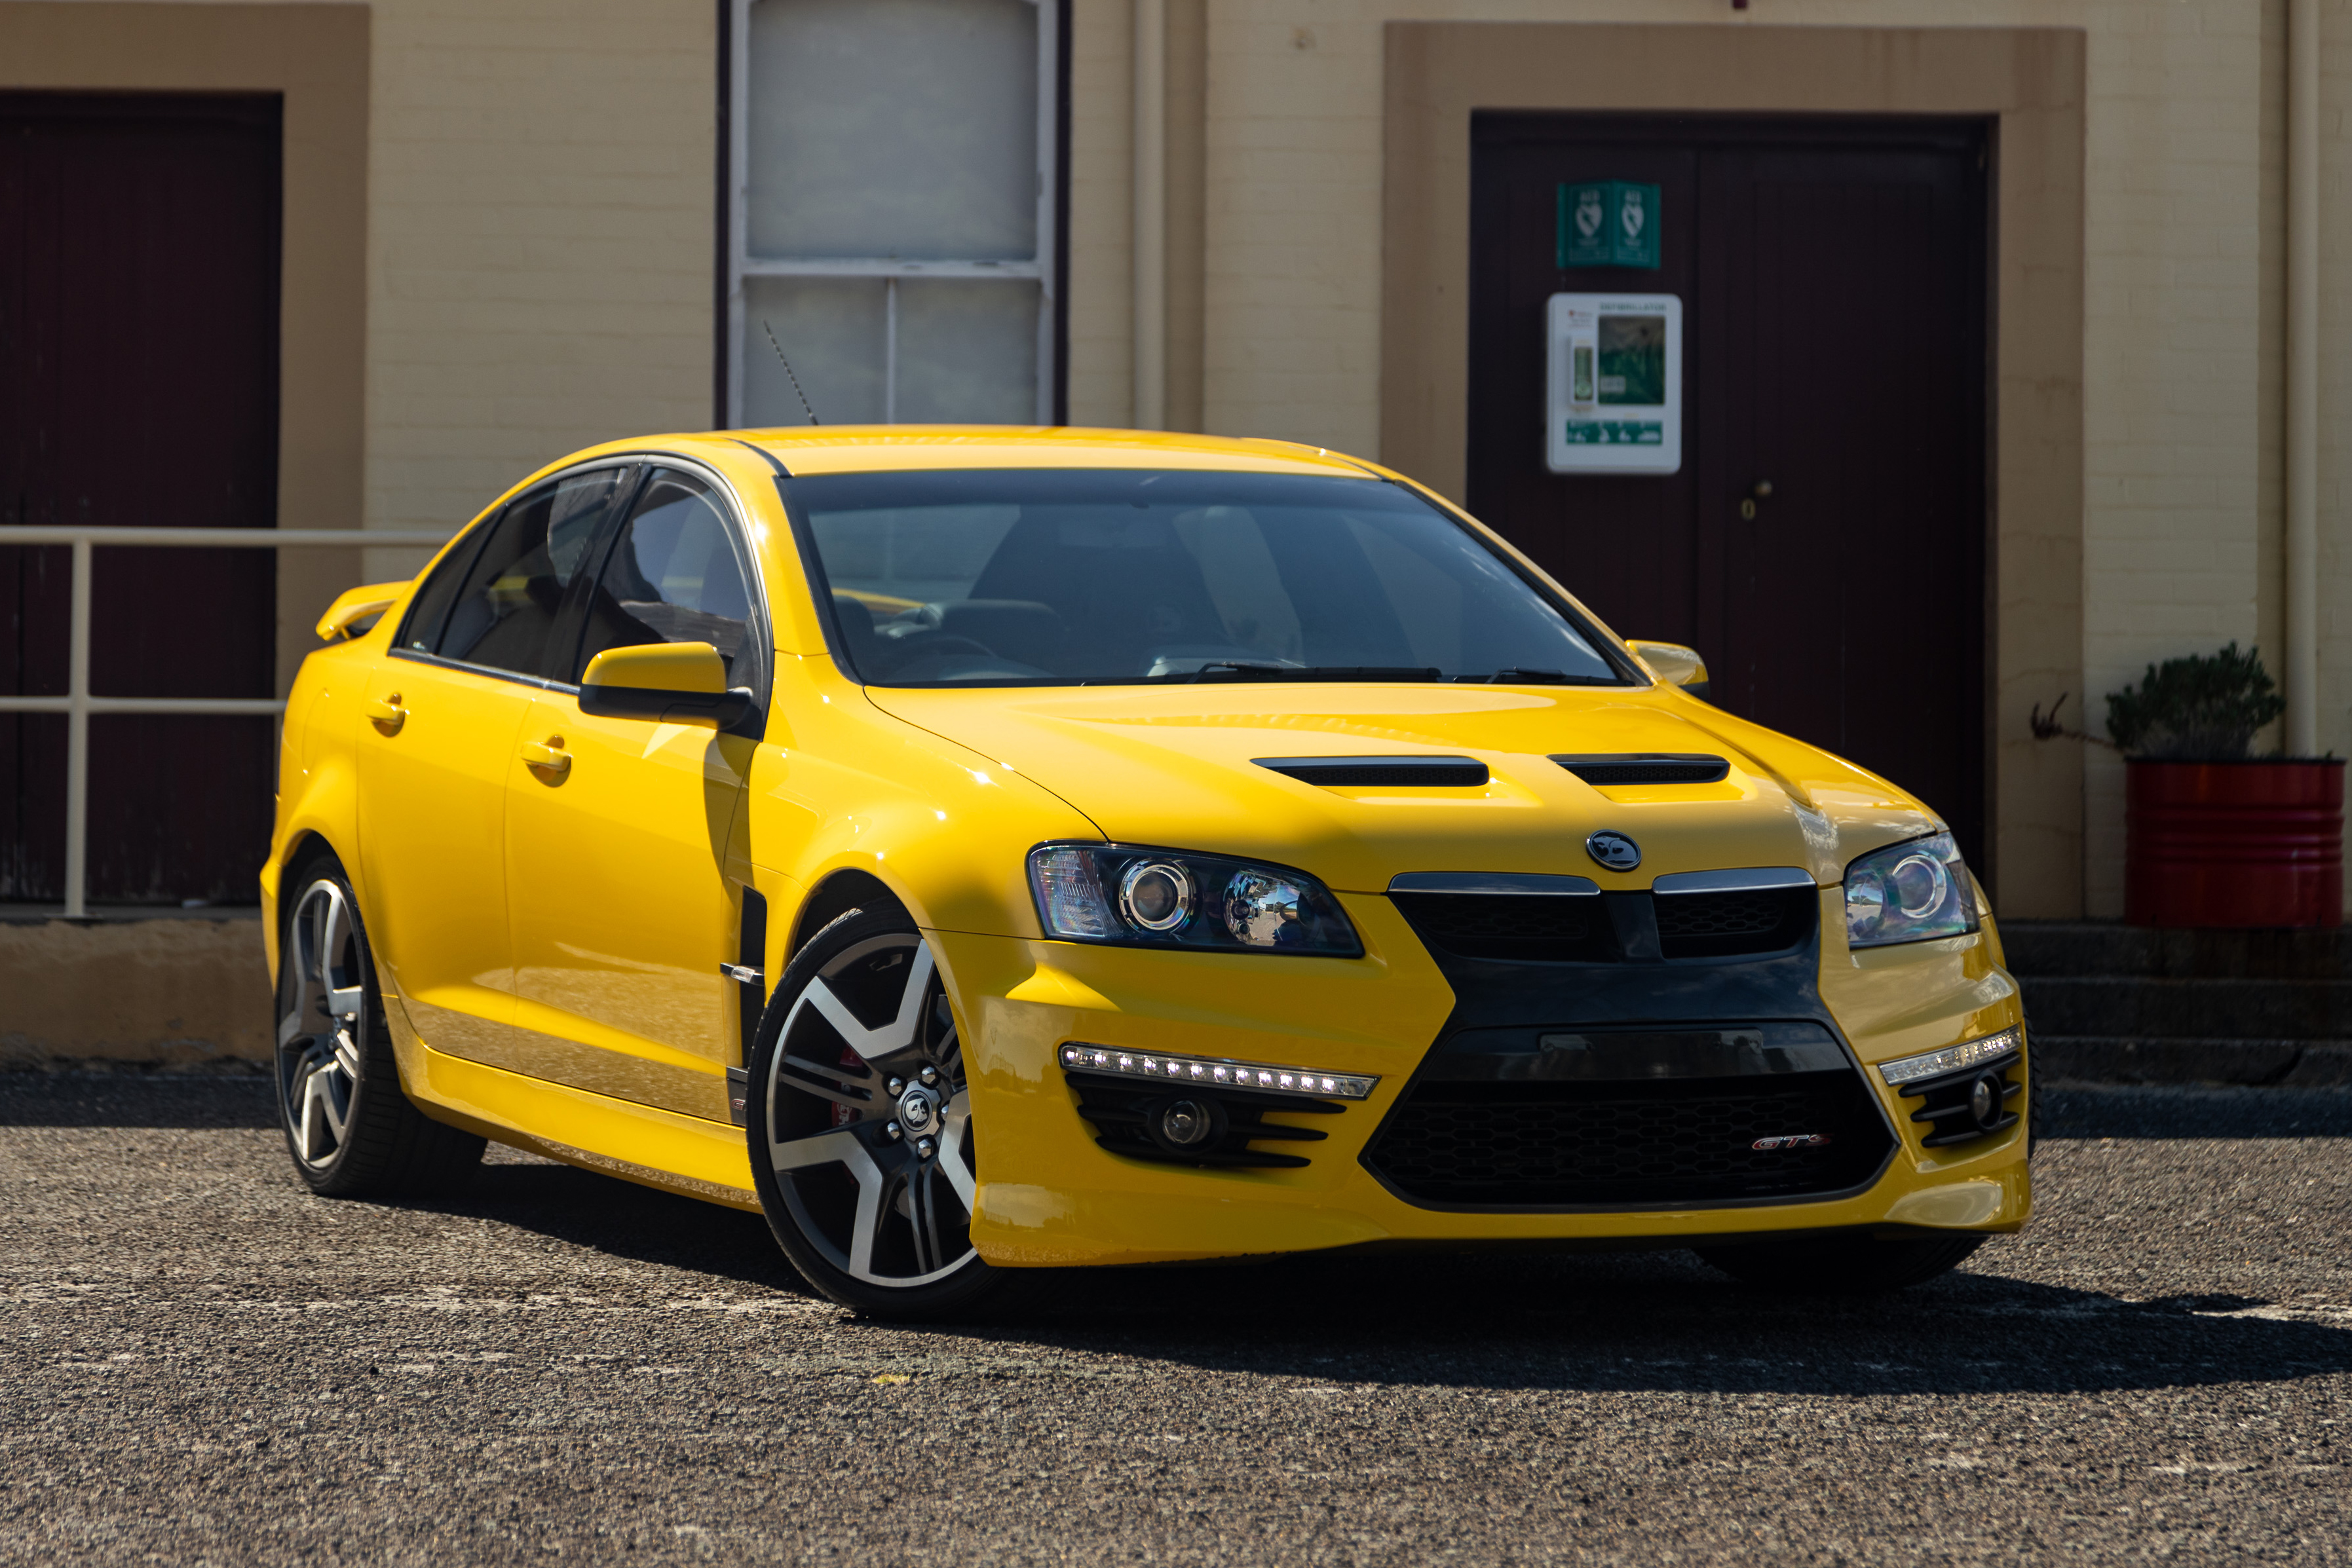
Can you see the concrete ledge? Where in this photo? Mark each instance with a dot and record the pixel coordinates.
(2280, 1063)
(185, 990)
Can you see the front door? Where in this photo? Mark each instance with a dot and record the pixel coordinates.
(1822, 544)
(617, 830)
(443, 715)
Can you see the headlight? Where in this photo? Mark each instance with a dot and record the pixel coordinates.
(1909, 893)
(1162, 898)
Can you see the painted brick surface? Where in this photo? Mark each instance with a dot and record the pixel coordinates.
(541, 242)
(2184, 247)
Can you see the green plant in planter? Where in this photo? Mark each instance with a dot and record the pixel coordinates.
(2202, 708)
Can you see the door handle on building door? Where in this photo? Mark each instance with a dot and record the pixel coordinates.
(1756, 492)
(386, 714)
(548, 758)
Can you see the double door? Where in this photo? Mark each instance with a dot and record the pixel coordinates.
(550, 887)
(1823, 543)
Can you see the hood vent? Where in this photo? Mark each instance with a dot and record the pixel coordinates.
(1602, 769)
(1427, 772)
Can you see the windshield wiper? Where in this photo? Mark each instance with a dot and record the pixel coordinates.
(1251, 670)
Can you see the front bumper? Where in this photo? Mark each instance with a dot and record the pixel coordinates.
(1049, 1195)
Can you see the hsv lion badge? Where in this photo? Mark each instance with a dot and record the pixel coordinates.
(1613, 850)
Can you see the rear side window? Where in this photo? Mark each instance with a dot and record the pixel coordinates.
(505, 612)
(430, 611)
(673, 577)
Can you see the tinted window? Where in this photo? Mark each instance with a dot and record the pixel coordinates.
(431, 607)
(673, 577)
(1102, 575)
(506, 613)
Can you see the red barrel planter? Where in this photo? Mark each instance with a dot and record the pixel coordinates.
(2234, 844)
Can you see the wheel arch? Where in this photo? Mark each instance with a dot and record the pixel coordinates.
(835, 895)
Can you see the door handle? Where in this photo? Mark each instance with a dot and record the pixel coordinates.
(547, 756)
(386, 714)
(1756, 492)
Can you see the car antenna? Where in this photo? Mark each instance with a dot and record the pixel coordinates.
(771, 331)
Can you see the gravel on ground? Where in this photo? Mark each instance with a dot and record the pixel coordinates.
(203, 1362)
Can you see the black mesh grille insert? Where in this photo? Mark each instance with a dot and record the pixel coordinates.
(1529, 928)
(1719, 924)
(1539, 929)
(1678, 1143)
(1645, 768)
(1440, 772)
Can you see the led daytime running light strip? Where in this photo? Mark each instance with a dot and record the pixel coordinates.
(1951, 1059)
(1209, 1074)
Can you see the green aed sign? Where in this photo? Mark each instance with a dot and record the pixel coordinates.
(1608, 222)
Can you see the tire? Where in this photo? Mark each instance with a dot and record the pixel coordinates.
(352, 1129)
(1840, 1265)
(868, 1187)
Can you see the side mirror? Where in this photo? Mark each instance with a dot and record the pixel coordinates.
(356, 610)
(1675, 665)
(670, 681)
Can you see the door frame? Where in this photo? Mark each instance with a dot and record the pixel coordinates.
(1706, 352)
(315, 57)
(2029, 82)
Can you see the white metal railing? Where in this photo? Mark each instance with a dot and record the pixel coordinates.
(78, 703)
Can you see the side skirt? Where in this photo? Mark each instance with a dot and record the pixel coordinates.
(657, 1148)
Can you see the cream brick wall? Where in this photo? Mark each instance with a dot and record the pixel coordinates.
(540, 241)
(2183, 229)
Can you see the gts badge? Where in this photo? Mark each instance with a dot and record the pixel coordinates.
(1790, 1141)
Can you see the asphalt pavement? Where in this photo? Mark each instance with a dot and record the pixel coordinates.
(201, 1363)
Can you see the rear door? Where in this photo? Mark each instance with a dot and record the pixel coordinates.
(444, 713)
(616, 852)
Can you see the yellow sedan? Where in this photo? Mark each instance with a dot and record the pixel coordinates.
(984, 851)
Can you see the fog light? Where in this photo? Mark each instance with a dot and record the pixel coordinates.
(1984, 1100)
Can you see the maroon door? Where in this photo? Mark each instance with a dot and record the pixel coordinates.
(139, 245)
(1832, 273)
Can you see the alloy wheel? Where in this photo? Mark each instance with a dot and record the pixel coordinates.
(869, 1124)
(322, 1029)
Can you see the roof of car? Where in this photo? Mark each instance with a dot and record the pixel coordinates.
(852, 448)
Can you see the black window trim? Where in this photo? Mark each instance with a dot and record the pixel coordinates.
(758, 636)
(820, 590)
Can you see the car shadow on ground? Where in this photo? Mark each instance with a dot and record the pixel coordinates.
(1479, 1321)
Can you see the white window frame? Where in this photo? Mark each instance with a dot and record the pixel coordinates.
(1039, 268)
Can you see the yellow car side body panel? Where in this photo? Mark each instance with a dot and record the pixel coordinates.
(549, 947)
(617, 892)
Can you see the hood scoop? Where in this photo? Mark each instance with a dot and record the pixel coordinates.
(1425, 772)
(1602, 769)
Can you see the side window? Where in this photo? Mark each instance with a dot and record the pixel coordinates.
(673, 577)
(430, 609)
(506, 612)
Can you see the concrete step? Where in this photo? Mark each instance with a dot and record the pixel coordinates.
(2108, 1006)
(2110, 947)
(2123, 1058)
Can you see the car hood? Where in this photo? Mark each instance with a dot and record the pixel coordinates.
(1174, 767)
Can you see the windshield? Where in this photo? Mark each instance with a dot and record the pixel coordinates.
(1061, 576)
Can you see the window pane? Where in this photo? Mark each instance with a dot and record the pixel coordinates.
(508, 611)
(893, 128)
(993, 576)
(967, 352)
(430, 609)
(673, 577)
(831, 329)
